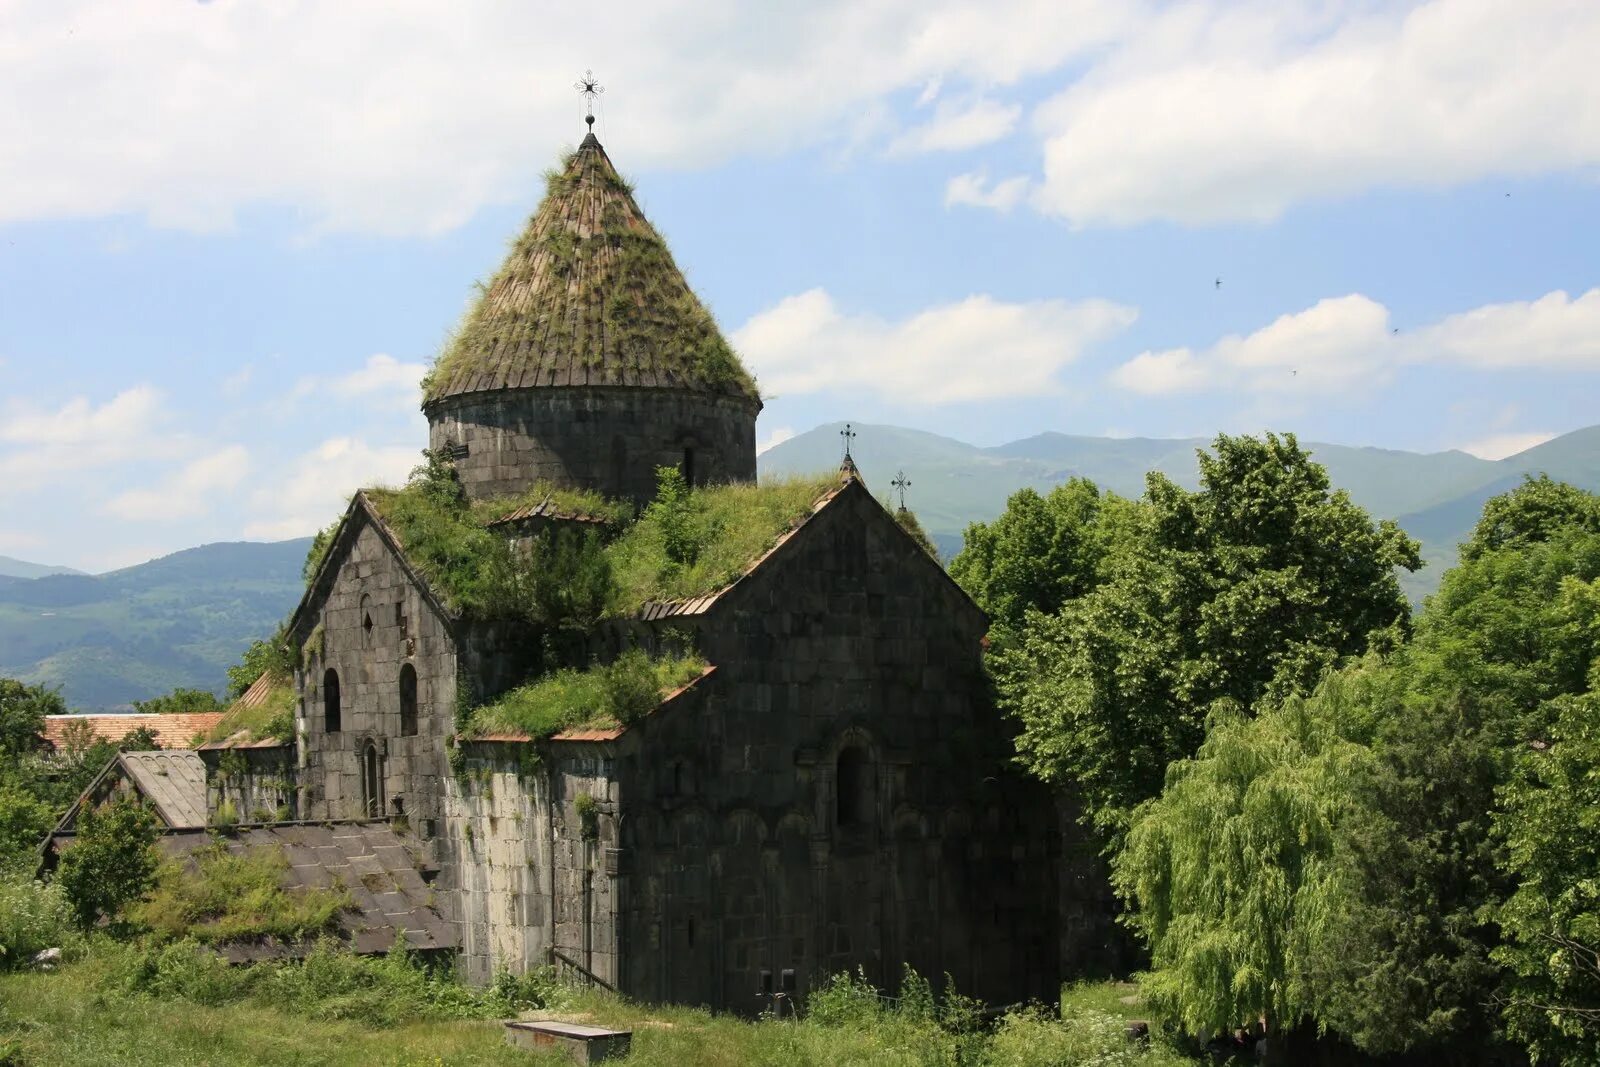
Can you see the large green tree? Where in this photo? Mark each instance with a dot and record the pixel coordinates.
(1250, 587)
(1389, 876)
(22, 711)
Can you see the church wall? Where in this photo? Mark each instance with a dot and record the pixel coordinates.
(513, 824)
(846, 665)
(608, 439)
(370, 584)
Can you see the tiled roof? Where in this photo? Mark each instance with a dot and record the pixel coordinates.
(588, 296)
(171, 731)
(381, 869)
(175, 782)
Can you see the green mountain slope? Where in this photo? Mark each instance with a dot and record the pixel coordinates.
(21, 568)
(1435, 496)
(180, 620)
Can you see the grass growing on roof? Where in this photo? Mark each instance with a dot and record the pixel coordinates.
(726, 528)
(613, 694)
(235, 897)
(272, 718)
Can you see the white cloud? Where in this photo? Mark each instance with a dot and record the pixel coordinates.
(1501, 445)
(974, 189)
(187, 493)
(1554, 332)
(380, 375)
(406, 116)
(778, 436)
(38, 445)
(1345, 345)
(318, 485)
(1223, 115)
(975, 349)
(955, 127)
(1334, 346)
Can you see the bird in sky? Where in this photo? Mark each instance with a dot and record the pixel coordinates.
(1219, 283)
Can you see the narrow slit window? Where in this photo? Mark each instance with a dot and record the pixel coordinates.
(408, 700)
(330, 701)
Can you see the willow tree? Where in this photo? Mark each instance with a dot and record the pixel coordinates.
(1240, 876)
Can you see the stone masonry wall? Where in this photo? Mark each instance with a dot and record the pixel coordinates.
(256, 784)
(373, 623)
(841, 795)
(529, 867)
(608, 439)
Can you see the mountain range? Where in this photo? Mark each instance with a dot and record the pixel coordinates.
(183, 619)
(1435, 496)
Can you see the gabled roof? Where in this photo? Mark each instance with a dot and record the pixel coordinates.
(173, 782)
(171, 731)
(588, 296)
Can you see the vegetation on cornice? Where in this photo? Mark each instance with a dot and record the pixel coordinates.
(601, 696)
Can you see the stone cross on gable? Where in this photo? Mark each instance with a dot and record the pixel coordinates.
(848, 434)
(901, 483)
(590, 87)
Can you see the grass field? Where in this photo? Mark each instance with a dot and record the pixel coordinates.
(73, 1017)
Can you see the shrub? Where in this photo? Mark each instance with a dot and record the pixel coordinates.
(235, 897)
(112, 861)
(24, 822)
(1032, 1038)
(844, 1000)
(33, 916)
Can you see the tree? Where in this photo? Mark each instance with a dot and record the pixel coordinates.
(1551, 823)
(1239, 875)
(22, 711)
(270, 655)
(1250, 588)
(112, 861)
(24, 822)
(1040, 553)
(178, 701)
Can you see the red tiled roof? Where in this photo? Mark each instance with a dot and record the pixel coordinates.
(171, 731)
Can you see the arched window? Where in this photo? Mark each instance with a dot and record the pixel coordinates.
(372, 781)
(330, 701)
(853, 787)
(408, 700)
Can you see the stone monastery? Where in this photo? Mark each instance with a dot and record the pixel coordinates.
(820, 781)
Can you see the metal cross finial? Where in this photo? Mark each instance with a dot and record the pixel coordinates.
(590, 87)
(847, 433)
(901, 483)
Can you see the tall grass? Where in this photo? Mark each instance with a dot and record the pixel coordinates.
(607, 695)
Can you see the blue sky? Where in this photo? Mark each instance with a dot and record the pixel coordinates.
(233, 234)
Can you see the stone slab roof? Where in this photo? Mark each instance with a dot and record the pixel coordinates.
(171, 731)
(595, 733)
(588, 296)
(381, 868)
(175, 782)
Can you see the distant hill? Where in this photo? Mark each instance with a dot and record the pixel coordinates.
(180, 620)
(1435, 496)
(21, 568)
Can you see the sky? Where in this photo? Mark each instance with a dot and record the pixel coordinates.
(234, 234)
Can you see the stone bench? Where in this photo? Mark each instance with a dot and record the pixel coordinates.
(582, 1044)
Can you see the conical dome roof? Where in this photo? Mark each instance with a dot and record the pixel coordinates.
(588, 296)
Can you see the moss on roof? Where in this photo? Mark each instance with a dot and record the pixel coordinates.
(264, 712)
(588, 295)
(614, 694)
(728, 527)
